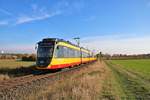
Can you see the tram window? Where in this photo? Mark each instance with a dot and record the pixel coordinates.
(85, 55)
(71, 52)
(65, 50)
(76, 53)
(82, 54)
(60, 52)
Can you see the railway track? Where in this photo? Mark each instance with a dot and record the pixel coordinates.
(20, 87)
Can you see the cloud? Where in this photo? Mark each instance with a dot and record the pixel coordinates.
(118, 45)
(26, 19)
(41, 13)
(69, 7)
(37, 14)
(3, 23)
(5, 12)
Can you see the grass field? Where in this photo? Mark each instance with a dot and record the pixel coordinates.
(85, 84)
(108, 80)
(133, 77)
(13, 68)
(14, 64)
(141, 67)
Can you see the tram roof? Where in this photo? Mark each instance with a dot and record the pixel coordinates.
(59, 40)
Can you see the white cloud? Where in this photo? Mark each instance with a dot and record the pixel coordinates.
(117, 44)
(5, 12)
(3, 23)
(26, 19)
(38, 14)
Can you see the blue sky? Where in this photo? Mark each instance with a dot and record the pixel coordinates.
(110, 26)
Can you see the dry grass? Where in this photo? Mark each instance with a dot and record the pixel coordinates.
(4, 77)
(83, 85)
(13, 68)
(14, 64)
(96, 82)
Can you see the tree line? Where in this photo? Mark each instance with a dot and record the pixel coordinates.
(123, 56)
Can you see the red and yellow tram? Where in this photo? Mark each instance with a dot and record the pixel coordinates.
(53, 53)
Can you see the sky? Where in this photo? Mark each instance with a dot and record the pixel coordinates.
(110, 26)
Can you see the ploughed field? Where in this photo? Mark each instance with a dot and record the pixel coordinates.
(133, 77)
(14, 68)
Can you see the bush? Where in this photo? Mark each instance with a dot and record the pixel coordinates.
(29, 58)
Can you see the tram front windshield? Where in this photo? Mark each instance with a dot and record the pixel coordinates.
(45, 51)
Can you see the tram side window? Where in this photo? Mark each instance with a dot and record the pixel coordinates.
(65, 52)
(59, 52)
(65, 49)
(77, 53)
(85, 55)
(71, 53)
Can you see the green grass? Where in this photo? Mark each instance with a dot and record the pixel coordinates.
(12, 64)
(141, 67)
(133, 77)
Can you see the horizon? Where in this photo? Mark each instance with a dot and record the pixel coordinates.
(113, 27)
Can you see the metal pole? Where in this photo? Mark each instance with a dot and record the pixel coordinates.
(77, 40)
